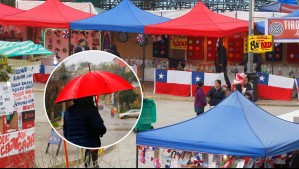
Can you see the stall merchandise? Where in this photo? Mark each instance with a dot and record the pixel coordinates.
(235, 127)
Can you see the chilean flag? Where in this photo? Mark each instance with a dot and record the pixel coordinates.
(274, 87)
(208, 79)
(172, 82)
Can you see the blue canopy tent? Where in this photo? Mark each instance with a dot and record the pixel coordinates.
(260, 26)
(235, 127)
(125, 17)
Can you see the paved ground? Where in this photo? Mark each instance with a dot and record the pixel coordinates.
(170, 110)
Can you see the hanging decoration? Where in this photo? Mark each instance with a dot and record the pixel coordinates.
(1, 30)
(293, 52)
(65, 34)
(142, 40)
(123, 37)
(235, 49)
(212, 48)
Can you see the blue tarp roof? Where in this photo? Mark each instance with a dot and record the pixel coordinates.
(294, 2)
(234, 127)
(260, 26)
(272, 7)
(125, 17)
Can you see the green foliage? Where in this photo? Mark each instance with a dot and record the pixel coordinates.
(55, 124)
(8, 2)
(127, 97)
(5, 69)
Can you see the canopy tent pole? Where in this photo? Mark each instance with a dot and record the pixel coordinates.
(143, 64)
(70, 36)
(137, 156)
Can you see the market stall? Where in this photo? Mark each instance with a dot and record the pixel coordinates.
(235, 127)
(17, 114)
(122, 20)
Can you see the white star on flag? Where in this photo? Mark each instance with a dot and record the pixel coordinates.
(262, 78)
(161, 76)
(197, 79)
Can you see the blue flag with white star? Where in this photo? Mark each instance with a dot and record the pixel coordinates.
(197, 76)
(161, 75)
(263, 78)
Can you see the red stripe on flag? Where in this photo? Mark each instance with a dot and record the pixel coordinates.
(205, 89)
(172, 89)
(273, 93)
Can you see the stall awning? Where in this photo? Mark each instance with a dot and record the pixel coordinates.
(51, 14)
(12, 49)
(200, 21)
(235, 127)
(7, 10)
(125, 17)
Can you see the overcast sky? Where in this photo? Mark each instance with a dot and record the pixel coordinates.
(94, 57)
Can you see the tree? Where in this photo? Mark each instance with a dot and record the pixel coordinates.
(127, 97)
(5, 69)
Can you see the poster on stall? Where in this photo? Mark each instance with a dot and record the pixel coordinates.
(6, 99)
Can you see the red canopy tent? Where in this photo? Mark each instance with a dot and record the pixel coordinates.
(200, 21)
(7, 10)
(51, 14)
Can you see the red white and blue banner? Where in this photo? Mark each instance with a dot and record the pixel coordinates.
(182, 83)
(274, 87)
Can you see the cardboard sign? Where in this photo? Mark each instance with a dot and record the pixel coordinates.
(260, 44)
(178, 42)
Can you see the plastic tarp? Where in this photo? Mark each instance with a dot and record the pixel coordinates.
(235, 127)
(260, 26)
(125, 17)
(12, 49)
(200, 21)
(81, 6)
(51, 14)
(7, 10)
(272, 7)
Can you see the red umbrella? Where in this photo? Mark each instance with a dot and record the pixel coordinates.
(93, 84)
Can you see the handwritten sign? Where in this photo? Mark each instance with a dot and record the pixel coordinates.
(16, 142)
(6, 99)
(178, 42)
(260, 44)
(22, 88)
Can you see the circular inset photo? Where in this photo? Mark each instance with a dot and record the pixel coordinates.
(93, 99)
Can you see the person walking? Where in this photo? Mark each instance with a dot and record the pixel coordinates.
(216, 94)
(83, 126)
(82, 46)
(200, 99)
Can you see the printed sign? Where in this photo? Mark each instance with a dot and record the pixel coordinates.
(28, 118)
(54, 138)
(6, 99)
(283, 29)
(260, 44)
(178, 42)
(16, 142)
